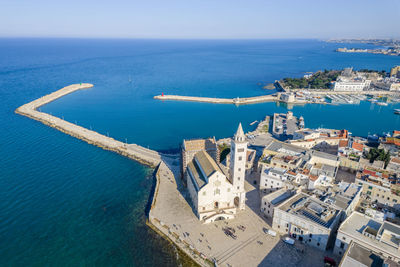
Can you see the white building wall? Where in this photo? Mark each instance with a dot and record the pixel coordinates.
(271, 181)
(311, 233)
(192, 192)
(343, 241)
(267, 208)
(217, 190)
(238, 165)
(351, 85)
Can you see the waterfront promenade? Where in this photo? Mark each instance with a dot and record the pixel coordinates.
(215, 100)
(133, 151)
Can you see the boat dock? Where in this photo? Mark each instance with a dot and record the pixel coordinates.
(236, 101)
(143, 155)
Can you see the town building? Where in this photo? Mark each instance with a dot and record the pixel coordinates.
(351, 81)
(325, 140)
(388, 83)
(215, 194)
(272, 200)
(382, 238)
(308, 220)
(356, 84)
(391, 144)
(380, 186)
(394, 165)
(272, 179)
(358, 255)
(312, 216)
(395, 72)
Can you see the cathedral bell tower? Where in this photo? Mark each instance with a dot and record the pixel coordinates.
(237, 167)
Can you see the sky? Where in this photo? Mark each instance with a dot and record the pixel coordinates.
(200, 19)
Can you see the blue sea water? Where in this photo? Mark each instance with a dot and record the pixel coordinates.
(66, 203)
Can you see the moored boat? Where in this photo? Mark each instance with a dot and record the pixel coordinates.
(382, 103)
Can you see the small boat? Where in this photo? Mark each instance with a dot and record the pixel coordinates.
(382, 103)
(397, 111)
(387, 135)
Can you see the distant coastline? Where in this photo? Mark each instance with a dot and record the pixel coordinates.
(391, 47)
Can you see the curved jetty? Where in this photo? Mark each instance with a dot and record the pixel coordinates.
(237, 100)
(133, 151)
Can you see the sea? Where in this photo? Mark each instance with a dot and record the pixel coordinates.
(64, 202)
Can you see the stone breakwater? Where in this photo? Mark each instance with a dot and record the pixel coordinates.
(237, 100)
(143, 155)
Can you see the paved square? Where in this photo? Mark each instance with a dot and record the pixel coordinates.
(252, 247)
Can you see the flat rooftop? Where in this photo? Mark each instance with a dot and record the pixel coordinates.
(277, 170)
(324, 155)
(356, 223)
(277, 197)
(311, 209)
(358, 255)
(285, 148)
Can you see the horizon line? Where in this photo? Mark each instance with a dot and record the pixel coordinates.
(198, 38)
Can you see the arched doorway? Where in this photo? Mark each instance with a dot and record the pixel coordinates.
(220, 218)
(216, 204)
(236, 201)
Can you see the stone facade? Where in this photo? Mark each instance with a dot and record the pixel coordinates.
(215, 194)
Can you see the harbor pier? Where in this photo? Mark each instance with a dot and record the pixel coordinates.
(215, 100)
(143, 155)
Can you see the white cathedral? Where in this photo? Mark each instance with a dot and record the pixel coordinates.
(216, 193)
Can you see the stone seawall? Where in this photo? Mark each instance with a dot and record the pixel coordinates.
(133, 151)
(237, 101)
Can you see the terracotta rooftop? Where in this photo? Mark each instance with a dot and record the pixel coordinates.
(375, 173)
(395, 160)
(343, 143)
(392, 140)
(357, 146)
(199, 144)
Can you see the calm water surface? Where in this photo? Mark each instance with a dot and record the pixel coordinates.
(66, 203)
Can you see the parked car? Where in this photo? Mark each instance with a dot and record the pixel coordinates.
(271, 233)
(288, 240)
(330, 261)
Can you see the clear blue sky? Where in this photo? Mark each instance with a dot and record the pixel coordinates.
(200, 18)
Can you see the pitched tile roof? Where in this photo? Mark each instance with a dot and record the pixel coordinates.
(395, 160)
(343, 143)
(357, 146)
